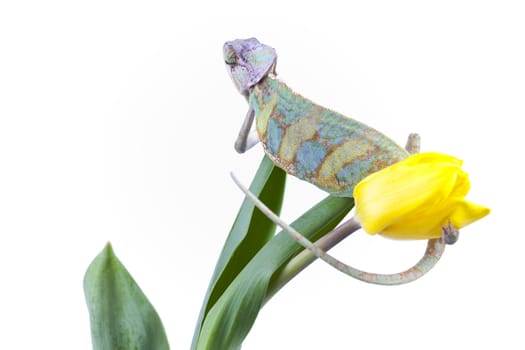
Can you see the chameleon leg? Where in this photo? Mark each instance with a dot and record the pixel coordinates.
(413, 143)
(246, 140)
(435, 249)
(450, 234)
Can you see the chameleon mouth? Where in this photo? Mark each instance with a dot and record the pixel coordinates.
(230, 57)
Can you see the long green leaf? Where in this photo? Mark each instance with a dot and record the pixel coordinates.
(232, 316)
(121, 316)
(249, 233)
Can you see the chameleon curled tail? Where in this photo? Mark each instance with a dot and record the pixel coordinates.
(435, 249)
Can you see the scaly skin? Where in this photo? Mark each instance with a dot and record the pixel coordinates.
(316, 144)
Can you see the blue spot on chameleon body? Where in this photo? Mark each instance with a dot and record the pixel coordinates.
(308, 158)
(273, 137)
(354, 172)
(292, 107)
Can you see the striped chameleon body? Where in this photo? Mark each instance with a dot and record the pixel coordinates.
(317, 145)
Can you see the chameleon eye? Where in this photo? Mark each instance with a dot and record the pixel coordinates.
(230, 58)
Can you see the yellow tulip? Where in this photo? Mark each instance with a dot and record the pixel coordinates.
(416, 197)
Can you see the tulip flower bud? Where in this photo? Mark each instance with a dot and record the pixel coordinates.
(416, 197)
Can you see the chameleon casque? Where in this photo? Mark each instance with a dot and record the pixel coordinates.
(314, 144)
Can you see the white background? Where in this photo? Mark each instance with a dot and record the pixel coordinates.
(117, 122)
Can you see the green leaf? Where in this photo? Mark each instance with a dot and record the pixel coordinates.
(232, 316)
(121, 316)
(249, 233)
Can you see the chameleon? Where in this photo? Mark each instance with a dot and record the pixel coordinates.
(308, 141)
(314, 144)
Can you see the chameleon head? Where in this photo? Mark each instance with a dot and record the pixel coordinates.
(248, 62)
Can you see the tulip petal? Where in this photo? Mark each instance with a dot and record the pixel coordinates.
(418, 226)
(392, 193)
(466, 212)
(462, 185)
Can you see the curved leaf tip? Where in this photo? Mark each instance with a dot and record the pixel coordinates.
(120, 314)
